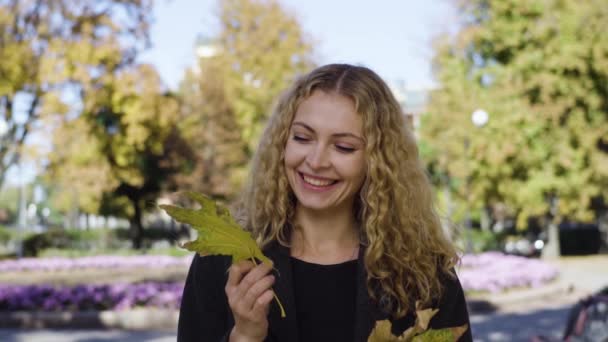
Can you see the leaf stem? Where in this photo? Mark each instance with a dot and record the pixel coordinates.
(283, 315)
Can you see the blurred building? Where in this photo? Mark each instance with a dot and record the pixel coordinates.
(204, 49)
(413, 101)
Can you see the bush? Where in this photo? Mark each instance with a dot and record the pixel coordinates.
(481, 240)
(154, 234)
(94, 239)
(77, 253)
(484, 241)
(63, 239)
(36, 242)
(5, 235)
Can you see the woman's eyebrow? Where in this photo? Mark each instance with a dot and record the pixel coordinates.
(338, 135)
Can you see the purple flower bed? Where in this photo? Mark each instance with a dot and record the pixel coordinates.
(90, 297)
(495, 272)
(106, 261)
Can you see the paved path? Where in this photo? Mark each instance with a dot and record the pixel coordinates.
(516, 327)
(45, 335)
(511, 327)
(502, 327)
(585, 273)
(519, 315)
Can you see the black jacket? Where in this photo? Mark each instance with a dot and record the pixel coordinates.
(206, 316)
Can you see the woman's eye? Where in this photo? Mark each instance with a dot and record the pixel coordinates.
(345, 149)
(300, 138)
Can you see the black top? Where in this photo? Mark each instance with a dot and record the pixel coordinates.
(325, 297)
(205, 314)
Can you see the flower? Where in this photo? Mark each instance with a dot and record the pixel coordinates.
(495, 272)
(90, 297)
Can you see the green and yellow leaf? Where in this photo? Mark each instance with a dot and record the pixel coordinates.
(218, 232)
(418, 332)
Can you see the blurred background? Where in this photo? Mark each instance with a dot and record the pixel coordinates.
(108, 108)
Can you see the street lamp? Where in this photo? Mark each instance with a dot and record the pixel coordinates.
(3, 128)
(479, 118)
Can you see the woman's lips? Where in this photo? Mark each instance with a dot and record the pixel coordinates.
(317, 184)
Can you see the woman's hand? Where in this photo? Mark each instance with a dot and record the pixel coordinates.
(249, 295)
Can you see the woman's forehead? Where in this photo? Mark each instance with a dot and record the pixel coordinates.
(329, 111)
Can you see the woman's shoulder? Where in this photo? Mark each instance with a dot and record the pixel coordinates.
(210, 266)
(450, 284)
(451, 305)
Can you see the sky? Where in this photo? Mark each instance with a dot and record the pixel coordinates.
(392, 37)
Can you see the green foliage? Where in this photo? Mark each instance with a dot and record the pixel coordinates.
(484, 240)
(77, 253)
(227, 97)
(121, 152)
(75, 242)
(6, 235)
(540, 69)
(71, 67)
(9, 199)
(60, 239)
(50, 49)
(69, 239)
(37, 242)
(150, 235)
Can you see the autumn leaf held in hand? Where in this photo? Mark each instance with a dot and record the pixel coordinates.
(218, 232)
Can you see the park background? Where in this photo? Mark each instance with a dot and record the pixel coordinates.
(110, 108)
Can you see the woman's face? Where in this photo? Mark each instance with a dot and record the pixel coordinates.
(325, 153)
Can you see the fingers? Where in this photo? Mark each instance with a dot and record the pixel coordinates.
(257, 273)
(255, 291)
(261, 305)
(253, 276)
(247, 284)
(237, 272)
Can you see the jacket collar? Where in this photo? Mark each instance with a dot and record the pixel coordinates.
(282, 329)
(286, 329)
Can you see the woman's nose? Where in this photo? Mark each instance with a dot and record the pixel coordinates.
(318, 157)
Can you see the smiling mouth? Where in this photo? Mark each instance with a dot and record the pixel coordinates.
(317, 182)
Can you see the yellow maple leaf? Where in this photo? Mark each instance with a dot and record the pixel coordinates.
(419, 332)
(218, 232)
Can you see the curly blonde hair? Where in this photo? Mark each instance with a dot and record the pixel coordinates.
(406, 250)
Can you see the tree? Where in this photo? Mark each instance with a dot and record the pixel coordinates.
(122, 150)
(540, 68)
(227, 97)
(53, 49)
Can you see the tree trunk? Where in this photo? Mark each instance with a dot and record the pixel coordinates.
(552, 250)
(136, 227)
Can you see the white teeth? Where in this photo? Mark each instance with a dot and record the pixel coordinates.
(317, 182)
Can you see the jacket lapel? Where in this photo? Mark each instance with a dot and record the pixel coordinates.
(366, 313)
(282, 329)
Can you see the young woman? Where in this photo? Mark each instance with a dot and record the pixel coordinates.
(340, 201)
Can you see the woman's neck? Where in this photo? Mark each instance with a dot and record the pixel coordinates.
(324, 238)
